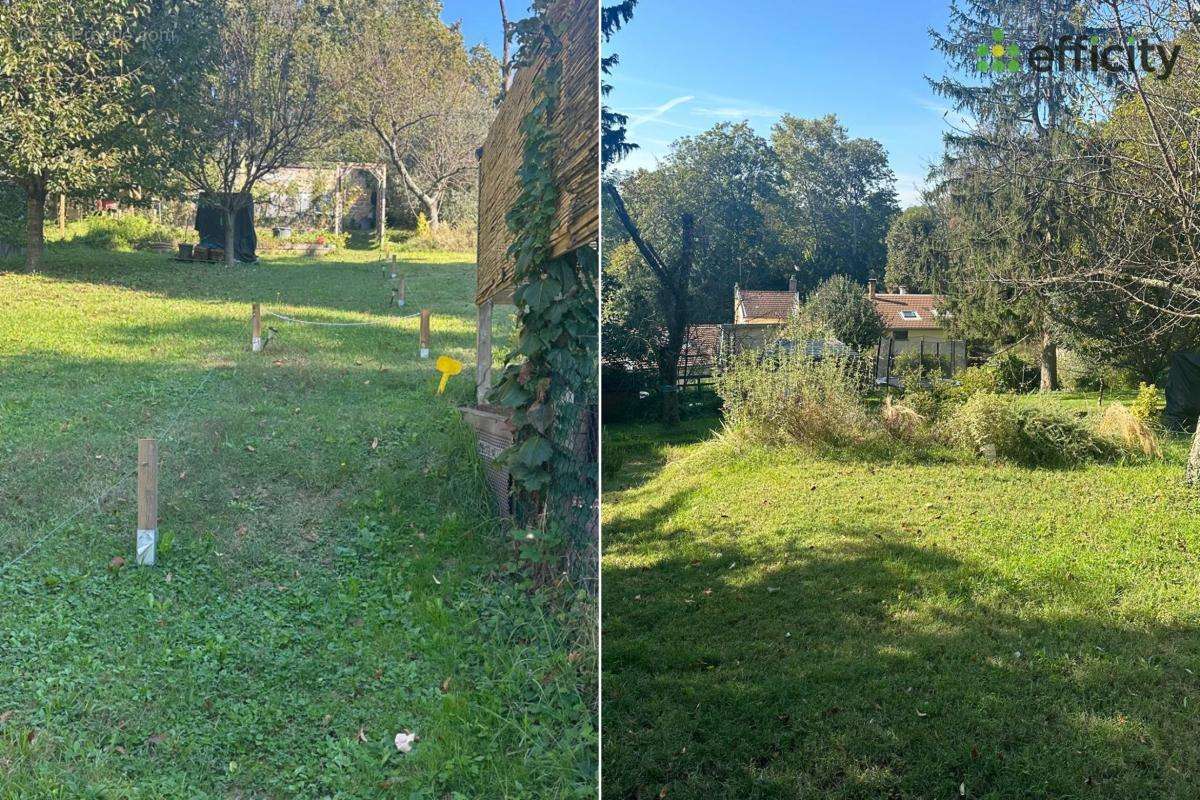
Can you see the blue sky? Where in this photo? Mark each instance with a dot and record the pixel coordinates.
(688, 64)
(481, 19)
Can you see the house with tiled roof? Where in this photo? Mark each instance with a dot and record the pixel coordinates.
(913, 322)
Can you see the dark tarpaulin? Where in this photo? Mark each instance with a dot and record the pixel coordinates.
(1183, 392)
(210, 224)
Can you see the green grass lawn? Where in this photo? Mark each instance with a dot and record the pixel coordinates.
(782, 625)
(329, 573)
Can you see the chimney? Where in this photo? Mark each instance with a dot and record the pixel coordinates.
(871, 288)
(793, 285)
(901, 290)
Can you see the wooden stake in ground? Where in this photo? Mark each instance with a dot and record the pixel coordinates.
(483, 353)
(147, 522)
(256, 342)
(400, 292)
(425, 332)
(393, 272)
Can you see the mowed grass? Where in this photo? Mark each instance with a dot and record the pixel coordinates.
(329, 569)
(782, 625)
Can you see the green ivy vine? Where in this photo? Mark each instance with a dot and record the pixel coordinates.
(549, 379)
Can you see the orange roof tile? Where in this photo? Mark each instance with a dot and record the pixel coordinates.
(891, 308)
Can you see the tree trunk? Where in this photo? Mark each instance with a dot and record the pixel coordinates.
(677, 324)
(35, 237)
(230, 238)
(432, 213)
(669, 376)
(1048, 361)
(1192, 474)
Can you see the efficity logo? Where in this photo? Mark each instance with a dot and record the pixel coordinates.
(1078, 52)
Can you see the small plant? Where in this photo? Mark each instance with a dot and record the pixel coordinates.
(539, 554)
(423, 229)
(1149, 404)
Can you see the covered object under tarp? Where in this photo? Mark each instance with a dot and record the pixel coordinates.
(210, 224)
(1183, 392)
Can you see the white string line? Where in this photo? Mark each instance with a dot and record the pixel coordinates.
(166, 434)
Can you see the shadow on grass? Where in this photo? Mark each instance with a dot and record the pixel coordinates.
(871, 667)
(337, 286)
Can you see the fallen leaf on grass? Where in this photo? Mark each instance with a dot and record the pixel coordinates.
(405, 741)
(157, 738)
(921, 713)
(250, 449)
(6, 716)
(374, 444)
(362, 735)
(116, 563)
(445, 686)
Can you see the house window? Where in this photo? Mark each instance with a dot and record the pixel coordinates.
(910, 314)
(900, 336)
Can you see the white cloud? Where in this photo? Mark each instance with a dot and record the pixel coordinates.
(655, 114)
(745, 111)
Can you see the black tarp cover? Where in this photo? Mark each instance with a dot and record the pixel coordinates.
(1183, 391)
(210, 224)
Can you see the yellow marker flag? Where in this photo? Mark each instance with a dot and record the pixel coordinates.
(447, 366)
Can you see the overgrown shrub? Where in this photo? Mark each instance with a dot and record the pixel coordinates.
(1016, 373)
(1149, 404)
(913, 367)
(998, 427)
(448, 238)
(1051, 438)
(986, 424)
(984, 378)
(1129, 432)
(121, 233)
(789, 395)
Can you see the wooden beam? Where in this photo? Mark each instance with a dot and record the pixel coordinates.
(483, 353)
(147, 522)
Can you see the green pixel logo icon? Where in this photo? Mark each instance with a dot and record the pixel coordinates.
(998, 56)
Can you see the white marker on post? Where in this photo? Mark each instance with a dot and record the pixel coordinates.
(425, 332)
(147, 523)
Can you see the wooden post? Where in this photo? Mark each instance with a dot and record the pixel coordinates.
(382, 206)
(337, 203)
(483, 353)
(256, 342)
(62, 216)
(393, 272)
(425, 313)
(400, 292)
(147, 522)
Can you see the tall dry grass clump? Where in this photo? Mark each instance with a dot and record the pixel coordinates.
(1129, 432)
(901, 421)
